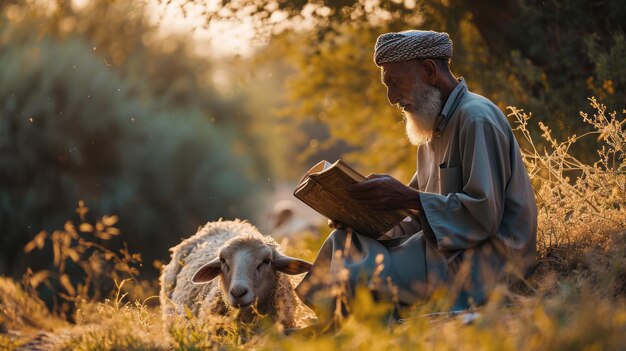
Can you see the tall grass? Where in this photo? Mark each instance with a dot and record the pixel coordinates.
(80, 253)
(582, 207)
(576, 300)
(578, 202)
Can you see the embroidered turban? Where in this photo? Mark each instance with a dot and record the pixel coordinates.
(411, 44)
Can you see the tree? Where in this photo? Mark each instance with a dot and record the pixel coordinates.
(538, 56)
(74, 128)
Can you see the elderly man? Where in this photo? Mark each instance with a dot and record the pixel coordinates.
(475, 216)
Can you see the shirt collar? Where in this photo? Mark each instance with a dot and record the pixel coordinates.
(450, 106)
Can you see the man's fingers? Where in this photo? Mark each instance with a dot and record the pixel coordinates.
(376, 175)
(366, 198)
(334, 224)
(365, 185)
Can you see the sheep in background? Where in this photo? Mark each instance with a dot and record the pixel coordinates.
(285, 221)
(252, 275)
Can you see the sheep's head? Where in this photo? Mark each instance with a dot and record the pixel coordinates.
(248, 266)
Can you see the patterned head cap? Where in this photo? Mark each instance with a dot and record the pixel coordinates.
(410, 45)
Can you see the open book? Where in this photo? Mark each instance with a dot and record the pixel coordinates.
(325, 189)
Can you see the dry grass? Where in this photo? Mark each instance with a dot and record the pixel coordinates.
(582, 207)
(576, 300)
(22, 315)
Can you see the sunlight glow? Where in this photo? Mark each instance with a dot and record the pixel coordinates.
(219, 39)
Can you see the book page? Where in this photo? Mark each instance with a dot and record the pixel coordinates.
(349, 171)
(320, 166)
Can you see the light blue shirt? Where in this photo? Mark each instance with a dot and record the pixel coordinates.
(473, 182)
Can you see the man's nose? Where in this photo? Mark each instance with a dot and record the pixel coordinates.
(393, 96)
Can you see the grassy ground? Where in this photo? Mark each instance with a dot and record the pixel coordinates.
(578, 303)
(576, 299)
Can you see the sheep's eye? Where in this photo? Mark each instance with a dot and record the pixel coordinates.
(265, 261)
(224, 264)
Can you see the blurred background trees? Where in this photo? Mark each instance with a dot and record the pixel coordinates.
(100, 103)
(546, 57)
(96, 107)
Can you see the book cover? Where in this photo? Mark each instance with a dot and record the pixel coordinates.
(325, 189)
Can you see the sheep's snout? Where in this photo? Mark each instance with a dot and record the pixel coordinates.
(240, 294)
(238, 291)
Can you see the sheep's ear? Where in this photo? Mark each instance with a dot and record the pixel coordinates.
(207, 272)
(289, 265)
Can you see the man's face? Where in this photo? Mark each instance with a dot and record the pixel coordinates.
(420, 102)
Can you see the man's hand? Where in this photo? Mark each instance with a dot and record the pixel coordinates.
(383, 192)
(332, 224)
(338, 225)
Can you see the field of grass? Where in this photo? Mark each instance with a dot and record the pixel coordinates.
(574, 301)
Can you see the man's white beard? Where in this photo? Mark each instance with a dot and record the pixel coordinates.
(420, 120)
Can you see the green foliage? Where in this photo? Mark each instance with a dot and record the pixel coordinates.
(610, 79)
(537, 55)
(337, 84)
(343, 90)
(71, 128)
(162, 70)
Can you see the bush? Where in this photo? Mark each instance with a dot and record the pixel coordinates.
(70, 130)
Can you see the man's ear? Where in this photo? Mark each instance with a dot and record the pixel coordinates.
(428, 71)
(289, 265)
(207, 272)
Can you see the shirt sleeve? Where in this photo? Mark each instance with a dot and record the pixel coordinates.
(471, 204)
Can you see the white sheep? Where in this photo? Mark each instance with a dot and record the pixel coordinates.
(251, 270)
